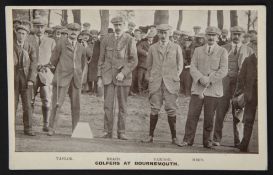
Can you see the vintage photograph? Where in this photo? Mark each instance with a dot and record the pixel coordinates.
(163, 83)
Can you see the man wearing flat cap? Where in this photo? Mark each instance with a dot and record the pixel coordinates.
(25, 71)
(57, 32)
(208, 67)
(118, 58)
(164, 65)
(68, 58)
(196, 29)
(44, 47)
(142, 52)
(86, 26)
(237, 52)
(223, 38)
(131, 27)
(176, 36)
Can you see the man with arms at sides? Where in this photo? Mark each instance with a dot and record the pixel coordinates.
(247, 84)
(164, 65)
(208, 67)
(68, 58)
(118, 58)
(142, 51)
(44, 47)
(237, 52)
(25, 71)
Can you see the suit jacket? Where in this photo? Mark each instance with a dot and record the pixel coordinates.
(44, 52)
(93, 65)
(28, 56)
(142, 50)
(244, 52)
(117, 55)
(214, 65)
(69, 63)
(164, 67)
(247, 79)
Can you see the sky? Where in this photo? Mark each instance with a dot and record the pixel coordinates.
(145, 17)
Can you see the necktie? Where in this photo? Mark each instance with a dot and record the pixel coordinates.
(209, 49)
(73, 44)
(235, 50)
(40, 41)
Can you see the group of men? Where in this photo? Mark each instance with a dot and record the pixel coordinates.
(212, 75)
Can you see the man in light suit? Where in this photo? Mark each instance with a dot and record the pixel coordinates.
(68, 58)
(44, 48)
(118, 58)
(237, 52)
(164, 65)
(208, 67)
(25, 71)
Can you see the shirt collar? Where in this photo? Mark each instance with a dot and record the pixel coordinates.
(117, 36)
(20, 44)
(238, 45)
(165, 44)
(70, 41)
(211, 46)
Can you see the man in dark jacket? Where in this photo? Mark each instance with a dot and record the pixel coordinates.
(25, 71)
(142, 51)
(247, 84)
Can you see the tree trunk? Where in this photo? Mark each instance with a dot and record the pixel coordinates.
(220, 19)
(161, 17)
(180, 19)
(248, 19)
(209, 15)
(48, 19)
(64, 18)
(104, 18)
(233, 18)
(77, 16)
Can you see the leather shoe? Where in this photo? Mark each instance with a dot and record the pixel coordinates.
(208, 145)
(51, 133)
(29, 133)
(183, 144)
(107, 135)
(122, 137)
(45, 129)
(176, 142)
(216, 143)
(150, 139)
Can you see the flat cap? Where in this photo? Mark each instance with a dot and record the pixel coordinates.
(85, 32)
(164, 27)
(224, 31)
(252, 31)
(86, 24)
(64, 31)
(237, 29)
(73, 26)
(131, 24)
(26, 23)
(49, 30)
(117, 19)
(58, 27)
(22, 27)
(151, 34)
(187, 33)
(17, 20)
(94, 32)
(247, 35)
(196, 27)
(200, 35)
(177, 32)
(213, 30)
(39, 22)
